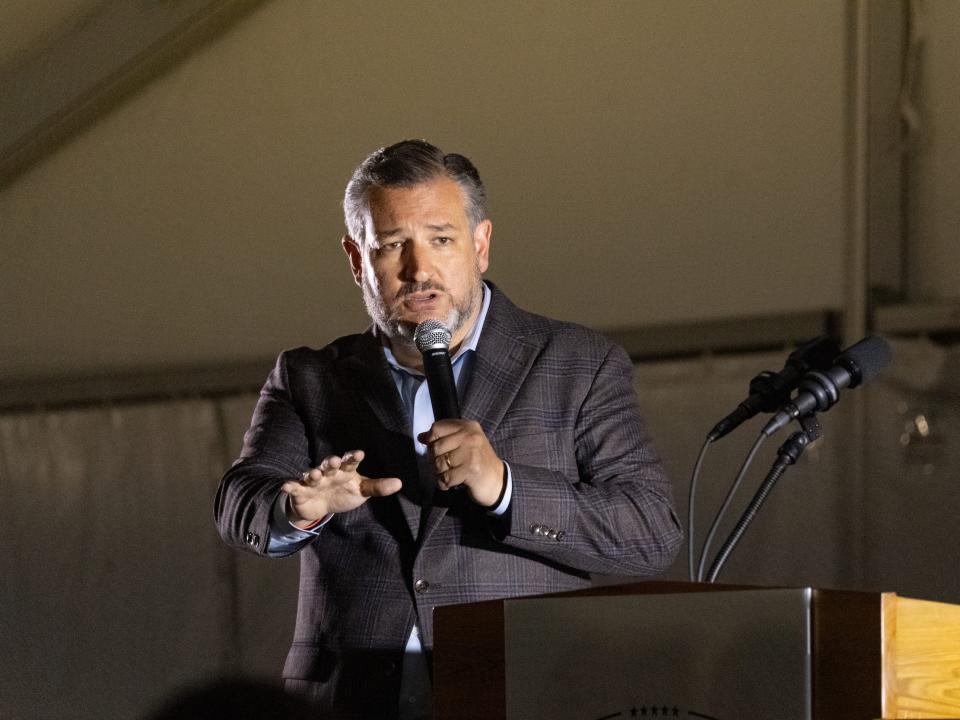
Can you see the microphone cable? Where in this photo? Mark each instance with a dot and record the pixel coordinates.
(778, 469)
(726, 504)
(787, 455)
(691, 498)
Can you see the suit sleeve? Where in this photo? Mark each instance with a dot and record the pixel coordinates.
(617, 516)
(275, 450)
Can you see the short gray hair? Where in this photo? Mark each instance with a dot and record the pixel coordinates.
(408, 163)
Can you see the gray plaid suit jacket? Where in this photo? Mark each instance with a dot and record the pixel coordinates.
(589, 495)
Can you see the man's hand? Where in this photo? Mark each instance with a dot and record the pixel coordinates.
(462, 455)
(332, 487)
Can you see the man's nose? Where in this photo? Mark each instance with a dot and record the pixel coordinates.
(416, 263)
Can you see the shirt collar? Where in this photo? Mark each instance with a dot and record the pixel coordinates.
(469, 342)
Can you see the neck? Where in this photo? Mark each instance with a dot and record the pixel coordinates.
(406, 353)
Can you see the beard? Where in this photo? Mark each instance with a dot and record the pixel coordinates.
(401, 331)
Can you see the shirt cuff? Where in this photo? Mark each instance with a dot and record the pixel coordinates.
(504, 504)
(284, 535)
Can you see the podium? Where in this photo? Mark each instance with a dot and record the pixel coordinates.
(694, 650)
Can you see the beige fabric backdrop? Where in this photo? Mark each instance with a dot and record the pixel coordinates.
(639, 155)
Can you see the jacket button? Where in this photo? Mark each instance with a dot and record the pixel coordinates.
(389, 668)
(421, 586)
(560, 534)
(536, 529)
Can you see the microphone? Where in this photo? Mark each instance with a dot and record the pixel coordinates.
(433, 341)
(819, 391)
(769, 390)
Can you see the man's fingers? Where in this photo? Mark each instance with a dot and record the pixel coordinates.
(350, 460)
(441, 429)
(379, 487)
(450, 481)
(447, 443)
(446, 461)
(330, 465)
(446, 465)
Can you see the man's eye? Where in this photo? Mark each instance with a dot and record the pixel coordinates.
(443, 240)
(387, 247)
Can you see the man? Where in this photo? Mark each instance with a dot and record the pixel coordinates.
(548, 478)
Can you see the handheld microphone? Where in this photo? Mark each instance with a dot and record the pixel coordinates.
(820, 390)
(769, 390)
(433, 341)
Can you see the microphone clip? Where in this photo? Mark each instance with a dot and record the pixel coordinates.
(793, 447)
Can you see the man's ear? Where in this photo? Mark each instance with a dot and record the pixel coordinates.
(481, 243)
(355, 254)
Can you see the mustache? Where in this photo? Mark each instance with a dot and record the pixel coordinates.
(413, 288)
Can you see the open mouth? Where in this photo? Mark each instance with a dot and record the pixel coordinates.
(420, 299)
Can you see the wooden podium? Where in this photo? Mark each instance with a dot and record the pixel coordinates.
(692, 650)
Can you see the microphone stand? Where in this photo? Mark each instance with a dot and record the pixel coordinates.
(787, 455)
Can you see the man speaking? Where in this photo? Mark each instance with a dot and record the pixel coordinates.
(546, 478)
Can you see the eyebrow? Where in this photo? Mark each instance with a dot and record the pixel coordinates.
(442, 227)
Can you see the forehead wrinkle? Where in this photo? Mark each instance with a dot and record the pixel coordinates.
(426, 206)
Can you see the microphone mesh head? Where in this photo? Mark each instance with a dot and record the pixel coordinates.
(867, 358)
(431, 335)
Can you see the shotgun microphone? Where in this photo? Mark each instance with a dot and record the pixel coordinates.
(820, 390)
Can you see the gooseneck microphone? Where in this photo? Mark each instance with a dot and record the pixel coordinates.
(769, 390)
(433, 341)
(820, 390)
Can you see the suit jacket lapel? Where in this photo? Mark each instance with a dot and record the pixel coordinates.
(367, 372)
(503, 359)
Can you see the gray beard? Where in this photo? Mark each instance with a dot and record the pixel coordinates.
(401, 332)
